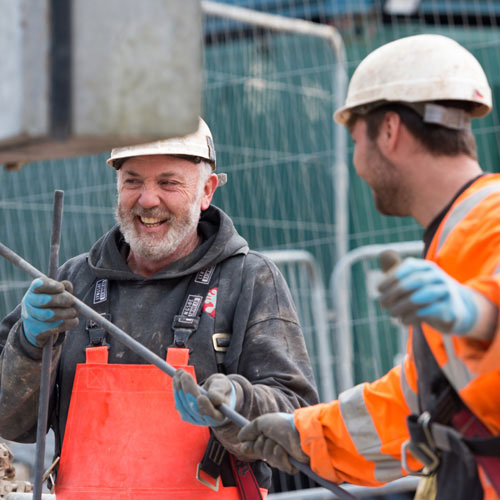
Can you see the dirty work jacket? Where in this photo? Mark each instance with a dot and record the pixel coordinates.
(267, 360)
(358, 438)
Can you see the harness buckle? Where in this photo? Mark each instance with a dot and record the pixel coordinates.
(184, 322)
(423, 454)
(97, 334)
(212, 486)
(221, 341)
(421, 445)
(183, 327)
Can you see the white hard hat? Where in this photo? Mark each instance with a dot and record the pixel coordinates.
(418, 69)
(198, 145)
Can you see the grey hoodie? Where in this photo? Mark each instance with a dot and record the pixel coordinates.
(266, 360)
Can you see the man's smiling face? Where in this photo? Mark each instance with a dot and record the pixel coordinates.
(159, 203)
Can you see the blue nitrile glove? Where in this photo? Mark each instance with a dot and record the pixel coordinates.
(197, 408)
(273, 438)
(420, 291)
(47, 310)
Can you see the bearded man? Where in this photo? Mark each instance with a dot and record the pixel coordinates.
(176, 276)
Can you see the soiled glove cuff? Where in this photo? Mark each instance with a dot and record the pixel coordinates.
(274, 438)
(469, 321)
(46, 309)
(201, 409)
(231, 404)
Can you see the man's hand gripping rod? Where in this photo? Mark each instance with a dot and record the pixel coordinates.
(155, 360)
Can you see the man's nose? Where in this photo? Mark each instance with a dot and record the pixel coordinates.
(149, 197)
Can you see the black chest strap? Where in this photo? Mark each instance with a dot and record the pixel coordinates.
(100, 304)
(186, 322)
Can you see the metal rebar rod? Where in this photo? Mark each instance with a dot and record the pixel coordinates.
(43, 404)
(155, 360)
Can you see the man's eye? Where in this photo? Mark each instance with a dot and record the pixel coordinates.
(131, 181)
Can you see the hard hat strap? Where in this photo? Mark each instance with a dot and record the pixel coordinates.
(454, 118)
(430, 112)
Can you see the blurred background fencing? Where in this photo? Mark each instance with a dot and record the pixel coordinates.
(269, 98)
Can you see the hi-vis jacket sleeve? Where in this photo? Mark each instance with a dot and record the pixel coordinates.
(358, 438)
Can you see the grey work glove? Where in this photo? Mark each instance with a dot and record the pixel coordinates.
(273, 438)
(47, 310)
(198, 409)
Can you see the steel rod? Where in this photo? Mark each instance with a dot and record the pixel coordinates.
(155, 360)
(43, 404)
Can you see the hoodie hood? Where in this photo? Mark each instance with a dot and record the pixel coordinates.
(220, 240)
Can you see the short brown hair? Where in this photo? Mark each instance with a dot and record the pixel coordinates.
(438, 140)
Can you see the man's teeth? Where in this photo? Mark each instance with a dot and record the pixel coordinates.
(150, 221)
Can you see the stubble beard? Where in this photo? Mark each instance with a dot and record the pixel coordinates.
(150, 246)
(387, 189)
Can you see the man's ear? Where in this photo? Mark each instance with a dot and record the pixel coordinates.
(389, 132)
(208, 191)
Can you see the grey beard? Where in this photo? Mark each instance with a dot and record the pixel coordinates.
(152, 247)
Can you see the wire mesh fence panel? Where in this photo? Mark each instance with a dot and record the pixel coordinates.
(308, 292)
(269, 97)
(367, 342)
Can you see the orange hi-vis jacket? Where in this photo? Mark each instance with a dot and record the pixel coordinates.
(358, 438)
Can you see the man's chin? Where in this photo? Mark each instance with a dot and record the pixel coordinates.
(152, 252)
(391, 211)
(156, 247)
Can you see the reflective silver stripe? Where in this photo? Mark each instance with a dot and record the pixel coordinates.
(497, 270)
(462, 209)
(364, 435)
(455, 370)
(411, 397)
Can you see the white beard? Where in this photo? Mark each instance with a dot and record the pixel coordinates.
(153, 247)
